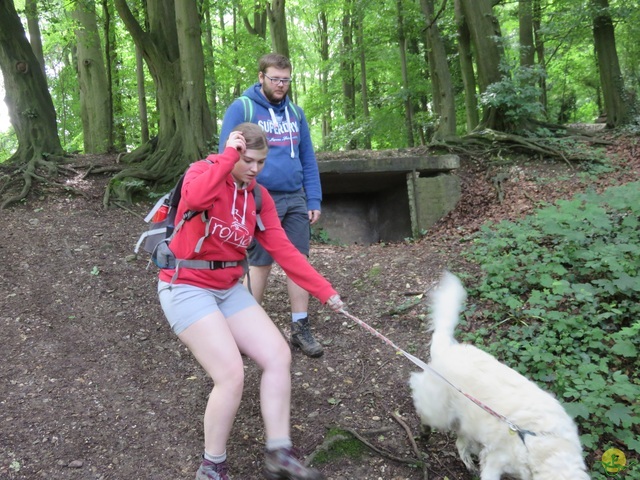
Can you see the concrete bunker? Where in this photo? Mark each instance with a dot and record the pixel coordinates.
(384, 197)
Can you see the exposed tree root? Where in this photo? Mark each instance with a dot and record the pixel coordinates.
(39, 170)
(567, 146)
(27, 173)
(334, 439)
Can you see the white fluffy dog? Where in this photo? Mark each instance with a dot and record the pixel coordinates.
(545, 445)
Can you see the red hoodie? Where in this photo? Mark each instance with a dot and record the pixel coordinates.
(232, 211)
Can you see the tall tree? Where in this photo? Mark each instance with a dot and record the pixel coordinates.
(538, 41)
(364, 93)
(615, 102)
(466, 68)
(173, 51)
(486, 38)
(33, 24)
(443, 97)
(95, 105)
(525, 32)
(31, 109)
(278, 27)
(408, 101)
(347, 69)
(323, 48)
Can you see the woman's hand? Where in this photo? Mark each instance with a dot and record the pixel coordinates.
(335, 303)
(236, 140)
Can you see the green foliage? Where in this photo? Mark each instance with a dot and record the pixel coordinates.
(8, 144)
(566, 284)
(341, 444)
(517, 94)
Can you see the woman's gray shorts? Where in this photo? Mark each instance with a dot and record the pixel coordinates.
(183, 304)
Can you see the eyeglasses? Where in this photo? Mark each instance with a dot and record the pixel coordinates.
(278, 81)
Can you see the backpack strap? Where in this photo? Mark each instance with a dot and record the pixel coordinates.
(248, 107)
(296, 110)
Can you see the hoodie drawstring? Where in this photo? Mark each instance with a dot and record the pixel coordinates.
(233, 205)
(275, 123)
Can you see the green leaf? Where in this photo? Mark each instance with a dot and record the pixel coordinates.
(625, 348)
(620, 415)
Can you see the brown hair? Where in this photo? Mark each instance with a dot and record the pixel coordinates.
(273, 60)
(253, 135)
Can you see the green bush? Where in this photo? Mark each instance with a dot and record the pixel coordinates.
(568, 280)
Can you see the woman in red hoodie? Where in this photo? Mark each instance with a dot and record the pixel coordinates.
(217, 318)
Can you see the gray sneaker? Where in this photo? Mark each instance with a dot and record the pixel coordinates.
(283, 463)
(212, 471)
(302, 338)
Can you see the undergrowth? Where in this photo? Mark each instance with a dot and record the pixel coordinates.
(565, 282)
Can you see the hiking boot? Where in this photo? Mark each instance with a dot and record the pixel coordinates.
(283, 463)
(212, 471)
(302, 338)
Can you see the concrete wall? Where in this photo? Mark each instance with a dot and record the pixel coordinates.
(386, 196)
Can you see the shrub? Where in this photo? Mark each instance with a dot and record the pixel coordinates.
(568, 280)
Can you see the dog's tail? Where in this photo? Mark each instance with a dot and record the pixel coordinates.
(446, 303)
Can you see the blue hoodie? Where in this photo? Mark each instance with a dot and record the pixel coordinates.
(291, 162)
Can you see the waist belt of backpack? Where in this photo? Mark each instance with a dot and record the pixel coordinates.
(205, 264)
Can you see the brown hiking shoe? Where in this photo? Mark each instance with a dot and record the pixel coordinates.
(302, 338)
(283, 463)
(213, 471)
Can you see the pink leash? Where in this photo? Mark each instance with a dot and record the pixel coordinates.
(512, 426)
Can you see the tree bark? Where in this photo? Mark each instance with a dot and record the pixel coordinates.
(278, 27)
(363, 78)
(525, 33)
(31, 109)
(485, 32)
(615, 98)
(35, 38)
(92, 78)
(402, 44)
(347, 69)
(440, 75)
(184, 127)
(324, 72)
(538, 40)
(466, 68)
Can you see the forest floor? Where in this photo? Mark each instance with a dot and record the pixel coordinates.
(94, 385)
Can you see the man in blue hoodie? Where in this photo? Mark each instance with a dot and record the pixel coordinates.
(290, 175)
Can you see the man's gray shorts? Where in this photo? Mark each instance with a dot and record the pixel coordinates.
(294, 217)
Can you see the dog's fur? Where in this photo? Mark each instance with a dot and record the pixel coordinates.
(552, 452)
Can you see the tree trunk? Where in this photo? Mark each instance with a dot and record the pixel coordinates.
(142, 98)
(118, 135)
(92, 78)
(278, 27)
(211, 71)
(408, 106)
(324, 73)
(466, 69)
(525, 30)
(485, 35)
(31, 109)
(440, 75)
(363, 79)
(539, 44)
(35, 38)
(259, 27)
(616, 103)
(184, 128)
(194, 97)
(347, 70)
